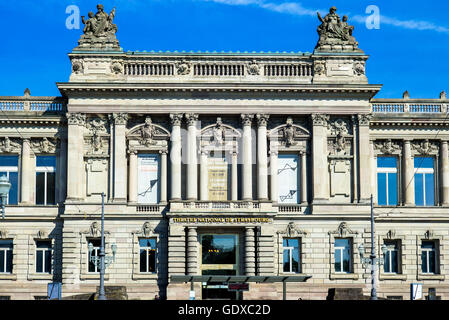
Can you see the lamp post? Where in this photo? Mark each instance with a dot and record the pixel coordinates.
(372, 260)
(102, 261)
(5, 185)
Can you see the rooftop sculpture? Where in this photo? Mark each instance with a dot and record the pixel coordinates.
(335, 34)
(99, 31)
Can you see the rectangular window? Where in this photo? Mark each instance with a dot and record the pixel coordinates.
(387, 181)
(291, 260)
(428, 257)
(6, 247)
(288, 178)
(96, 243)
(391, 259)
(342, 255)
(43, 256)
(148, 178)
(45, 180)
(148, 255)
(9, 168)
(424, 181)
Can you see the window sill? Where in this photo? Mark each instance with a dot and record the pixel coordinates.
(39, 276)
(344, 276)
(93, 276)
(384, 276)
(8, 276)
(145, 276)
(422, 276)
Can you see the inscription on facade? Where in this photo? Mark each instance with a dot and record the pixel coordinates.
(222, 220)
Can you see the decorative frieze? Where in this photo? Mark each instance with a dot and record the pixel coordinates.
(44, 145)
(8, 145)
(319, 119)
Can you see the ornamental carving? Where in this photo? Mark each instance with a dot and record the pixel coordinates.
(292, 230)
(339, 146)
(262, 119)
(364, 119)
(42, 234)
(387, 147)
(9, 146)
(147, 133)
(343, 230)
(120, 118)
(319, 119)
(77, 66)
(117, 67)
(253, 68)
(183, 68)
(97, 128)
(176, 119)
(76, 119)
(319, 68)
(359, 68)
(44, 146)
(94, 231)
(146, 230)
(335, 33)
(3, 234)
(339, 127)
(425, 147)
(219, 133)
(247, 119)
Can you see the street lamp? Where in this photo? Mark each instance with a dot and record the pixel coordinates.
(5, 185)
(102, 261)
(372, 260)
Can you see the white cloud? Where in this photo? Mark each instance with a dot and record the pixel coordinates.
(296, 8)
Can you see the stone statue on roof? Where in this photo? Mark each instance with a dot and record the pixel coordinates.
(99, 31)
(335, 34)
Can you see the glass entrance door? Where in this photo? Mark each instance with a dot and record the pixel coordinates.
(219, 256)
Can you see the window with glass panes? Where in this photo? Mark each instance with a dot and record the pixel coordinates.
(9, 168)
(291, 255)
(148, 257)
(342, 255)
(43, 256)
(6, 248)
(428, 257)
(424, 181)
(391, 258)
(45, 180)
(387, 181)
(96, 243)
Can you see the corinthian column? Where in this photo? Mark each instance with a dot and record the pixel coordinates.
(75, 155)
(175, 156)
(26, 173)
(274, 175)
(364, 157)
(192, 166)
(409, 180)
(262, 160)
(132, 185)
(120, 163)
(247, 192)
(444, 173)
(204, 177)
(319, 153)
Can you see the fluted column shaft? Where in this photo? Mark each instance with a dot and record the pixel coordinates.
(192, 251)
(262, 159)
(250, 255)
(120, 163)
(175, 156)
(75, 154)
(132, 183)
(163, 197)
(26, 173)
(204, 183)
(192, 166)
(234, 177)
(409, 180)
(247, 165)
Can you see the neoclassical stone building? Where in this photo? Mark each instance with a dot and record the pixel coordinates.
(250, 164)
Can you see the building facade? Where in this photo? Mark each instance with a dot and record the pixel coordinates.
(256, 164)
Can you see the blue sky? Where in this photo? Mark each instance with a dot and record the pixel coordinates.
(408, 52)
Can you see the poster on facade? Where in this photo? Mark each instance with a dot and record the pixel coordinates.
(288, 178)
(218, 179)
(148, 178)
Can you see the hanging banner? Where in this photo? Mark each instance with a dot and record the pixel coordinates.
(148, 178)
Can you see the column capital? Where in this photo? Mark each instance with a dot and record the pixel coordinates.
(319, 119)
(163, 151)
(247, 119)
(262, 119)
(119, 118)
(176, 119)
(273, 152)
(191, 118)
(76, 118)
(364, 119)
(132, 152)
